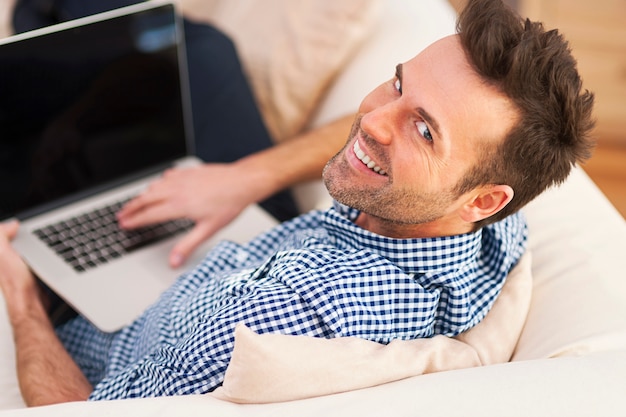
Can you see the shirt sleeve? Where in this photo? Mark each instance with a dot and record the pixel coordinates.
(184, 368)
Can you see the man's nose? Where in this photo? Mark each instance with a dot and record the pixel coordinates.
(381, 123)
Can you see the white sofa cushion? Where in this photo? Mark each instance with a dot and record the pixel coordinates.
(578, 242)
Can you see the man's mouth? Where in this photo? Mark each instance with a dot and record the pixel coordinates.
(367, 161)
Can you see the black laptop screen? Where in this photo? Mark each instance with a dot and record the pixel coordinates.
(85, 106)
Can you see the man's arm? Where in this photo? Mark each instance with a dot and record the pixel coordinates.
(214, 194)
(46, 372)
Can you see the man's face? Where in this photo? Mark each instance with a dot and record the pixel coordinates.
(413, 140)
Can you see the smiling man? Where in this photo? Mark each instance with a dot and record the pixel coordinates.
(423, 233)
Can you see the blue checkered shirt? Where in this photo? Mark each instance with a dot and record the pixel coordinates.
(318, 275)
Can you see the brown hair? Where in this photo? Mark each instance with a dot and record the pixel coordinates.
(535, 69)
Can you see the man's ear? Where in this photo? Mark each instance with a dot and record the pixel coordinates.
(486, 201)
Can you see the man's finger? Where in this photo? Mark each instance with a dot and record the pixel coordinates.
(156, 193)
(152, 214)
(9, 229)
(139, 203)
(189, 243)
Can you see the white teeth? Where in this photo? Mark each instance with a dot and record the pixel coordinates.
(366, 159)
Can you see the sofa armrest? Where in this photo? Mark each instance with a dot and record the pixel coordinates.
(575, 386)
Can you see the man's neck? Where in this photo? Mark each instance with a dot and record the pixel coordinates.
(437, 228)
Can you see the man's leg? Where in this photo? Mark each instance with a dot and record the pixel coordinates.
(227, 122)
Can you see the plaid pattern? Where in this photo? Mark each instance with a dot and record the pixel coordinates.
(317, 275)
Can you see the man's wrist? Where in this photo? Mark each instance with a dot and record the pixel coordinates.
(24, 304)
(263, 177)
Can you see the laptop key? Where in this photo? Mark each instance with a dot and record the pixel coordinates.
(94, 238)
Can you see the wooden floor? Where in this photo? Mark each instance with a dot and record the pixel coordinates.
(607, 168)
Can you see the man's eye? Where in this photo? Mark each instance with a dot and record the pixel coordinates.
(422, 128)
(398, 85)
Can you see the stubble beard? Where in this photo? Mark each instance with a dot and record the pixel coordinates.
(393, 206)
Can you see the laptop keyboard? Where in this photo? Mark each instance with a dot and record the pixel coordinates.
(94, 238)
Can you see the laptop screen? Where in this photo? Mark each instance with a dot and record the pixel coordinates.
(84, 105)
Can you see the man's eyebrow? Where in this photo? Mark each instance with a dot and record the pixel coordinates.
(399, 72)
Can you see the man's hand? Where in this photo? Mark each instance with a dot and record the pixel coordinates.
(16, 281)
(211, 195)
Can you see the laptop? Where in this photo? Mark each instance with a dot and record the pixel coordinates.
(91, 111)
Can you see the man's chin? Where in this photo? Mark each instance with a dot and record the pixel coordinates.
(351, 199)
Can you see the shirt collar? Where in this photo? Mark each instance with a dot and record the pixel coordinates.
(418, 255)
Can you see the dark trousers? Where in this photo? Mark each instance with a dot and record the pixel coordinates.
(227, 123)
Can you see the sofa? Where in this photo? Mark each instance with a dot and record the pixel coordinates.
(310, 62)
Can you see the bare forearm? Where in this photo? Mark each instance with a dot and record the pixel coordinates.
(46, 372)
(297, 160)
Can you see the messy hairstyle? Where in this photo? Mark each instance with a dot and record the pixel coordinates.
(535, 69)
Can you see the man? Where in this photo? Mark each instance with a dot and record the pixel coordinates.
(440, 159)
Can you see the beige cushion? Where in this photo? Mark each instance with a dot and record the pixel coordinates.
(6, 11)
(291, 50)
(272, 367)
